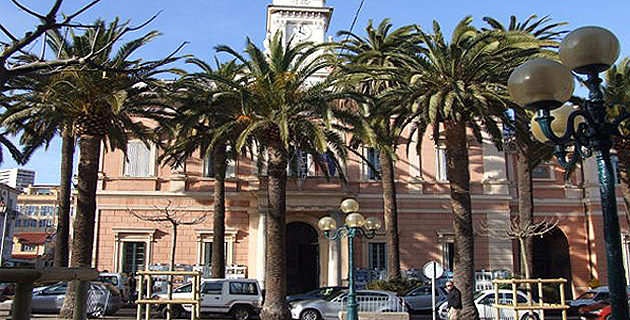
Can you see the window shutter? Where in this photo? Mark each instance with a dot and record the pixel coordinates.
(138, 160)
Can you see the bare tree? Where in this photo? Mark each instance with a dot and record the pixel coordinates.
(518, 229)
(522, 230)
(48, 22)
(172, 216)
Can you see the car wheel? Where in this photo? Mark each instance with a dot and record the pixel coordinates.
(310, 314)
(242, 312)
(527, 316)
(176, 311)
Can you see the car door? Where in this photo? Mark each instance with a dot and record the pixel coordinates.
(330, 309)
(484, 306)
(212, 296)
(49, 299)
(420, 298)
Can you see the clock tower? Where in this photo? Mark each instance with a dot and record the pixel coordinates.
(298, 20)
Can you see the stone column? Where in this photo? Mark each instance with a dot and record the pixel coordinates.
(334, 255)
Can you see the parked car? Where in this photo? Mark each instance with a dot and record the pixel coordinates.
(485, 299)
(591, 296)
(328, 308)
(597, 311)
(419, 299)
(240, 298)
(103, 299)
(118, 280)
(181, 292)
(318, 293)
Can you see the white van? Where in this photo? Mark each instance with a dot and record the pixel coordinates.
(240, 298)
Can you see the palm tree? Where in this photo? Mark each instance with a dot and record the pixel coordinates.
(282, 113)
(33, 113)
(204, 106)
(530, 152)
(365, 60)
(617, 96)
(455, 86)
(102, 104)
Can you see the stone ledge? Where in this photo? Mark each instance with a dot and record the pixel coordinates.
(378, 315)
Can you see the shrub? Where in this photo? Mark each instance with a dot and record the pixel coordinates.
(400, 287)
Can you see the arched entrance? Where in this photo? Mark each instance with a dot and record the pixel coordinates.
(551, 257)
(302, 258)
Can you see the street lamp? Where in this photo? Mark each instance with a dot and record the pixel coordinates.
(356, 225)
(577, 131)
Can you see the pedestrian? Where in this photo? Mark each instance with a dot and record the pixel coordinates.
(454, 301)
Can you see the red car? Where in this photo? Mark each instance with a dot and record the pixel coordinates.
(596, 311)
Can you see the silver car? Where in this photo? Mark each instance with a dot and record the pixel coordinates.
(329, 307)
(103, 299)
(484, 301)
(420, 298)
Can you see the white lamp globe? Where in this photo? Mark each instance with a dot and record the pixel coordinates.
(355, 220)
(349, 205)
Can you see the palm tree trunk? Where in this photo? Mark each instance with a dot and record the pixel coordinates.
(83, 239)
(525, 205)
(459, 178)
(391, 217)
(275, 306)
(62, 236)
(218, 213)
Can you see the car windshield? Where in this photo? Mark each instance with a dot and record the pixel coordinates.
(588, 295)
(109, 279)
(478, 294)
(333, 295)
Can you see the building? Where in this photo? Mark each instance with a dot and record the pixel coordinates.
(8, 214)
(38, 207)
(31, 247)
(574, 250)
(17, 178)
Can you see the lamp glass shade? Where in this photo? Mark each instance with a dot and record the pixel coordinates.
(540, 81)
(372, 223)
(349, 205)
(589, 49)
(355, 220)
(559, 123)
(327, 224)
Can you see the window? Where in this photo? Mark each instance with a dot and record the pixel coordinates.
(31, 210)
(542, 171)
(377, 256)
(139, 160)
(212, 288)
(207, 248)
(46, 210)
(246, 288)
(299, 164)
(372, 155)
(208, 172)
(184, 288)
(449, 255)
(441, 164)
(28, 247)
(204, 246)
(133, 257)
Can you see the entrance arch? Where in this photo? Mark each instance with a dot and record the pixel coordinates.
(552, 259)
(302, 250)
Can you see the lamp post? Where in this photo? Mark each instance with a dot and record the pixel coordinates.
(5, 213)
(356, 225)
(577, 131)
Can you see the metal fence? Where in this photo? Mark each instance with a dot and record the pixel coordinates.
(97, 301)
(376, 303)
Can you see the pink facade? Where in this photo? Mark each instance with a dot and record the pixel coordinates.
(425, 226)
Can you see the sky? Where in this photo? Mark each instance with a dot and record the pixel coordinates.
(205, 24)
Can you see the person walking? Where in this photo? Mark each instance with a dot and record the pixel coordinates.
(454, 301)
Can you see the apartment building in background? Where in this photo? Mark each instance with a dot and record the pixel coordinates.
(17, 178)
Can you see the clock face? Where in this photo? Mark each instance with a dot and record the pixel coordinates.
(302, 32)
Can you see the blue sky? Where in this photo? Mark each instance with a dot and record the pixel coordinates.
(207, 23)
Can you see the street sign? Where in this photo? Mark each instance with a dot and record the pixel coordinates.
(432, 269)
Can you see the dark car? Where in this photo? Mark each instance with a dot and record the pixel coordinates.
(318, 293)
(419, 299)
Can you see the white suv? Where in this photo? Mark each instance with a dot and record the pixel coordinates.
(241, 298)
